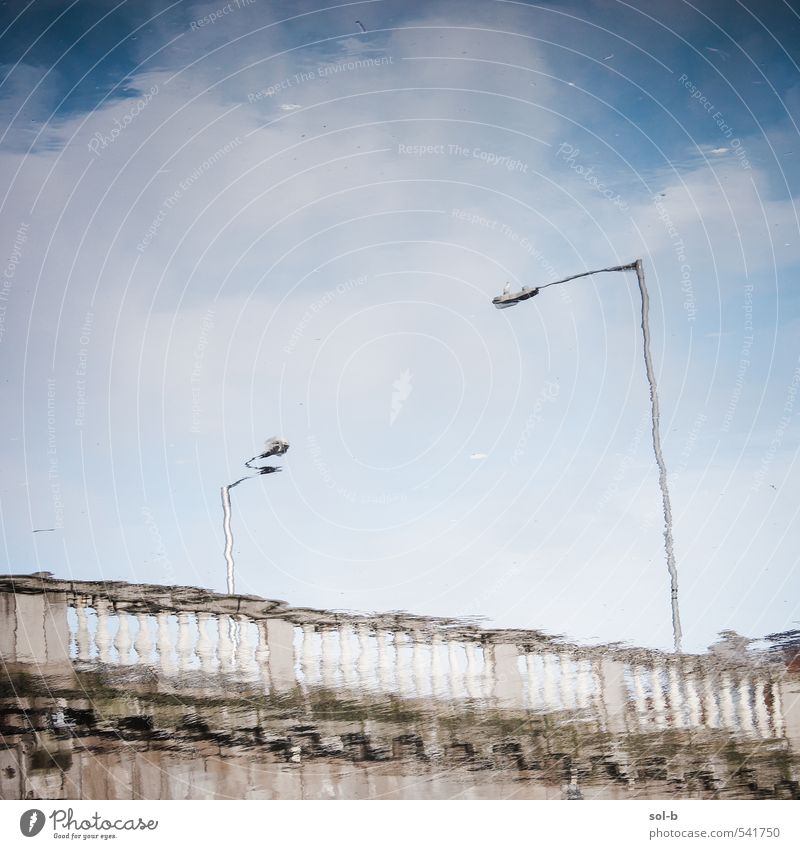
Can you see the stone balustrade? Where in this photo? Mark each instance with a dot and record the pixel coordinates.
(222, 641)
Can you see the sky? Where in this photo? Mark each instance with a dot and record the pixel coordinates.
(223, 222)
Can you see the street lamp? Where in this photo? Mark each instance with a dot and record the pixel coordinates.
(509, 299)
(272, 447)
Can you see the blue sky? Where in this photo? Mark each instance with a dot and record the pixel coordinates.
(223, 222)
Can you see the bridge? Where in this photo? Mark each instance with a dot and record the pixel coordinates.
(393, 698)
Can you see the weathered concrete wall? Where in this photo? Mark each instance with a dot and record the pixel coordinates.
(61, 745)
(157, 774)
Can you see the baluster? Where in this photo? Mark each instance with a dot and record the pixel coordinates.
(143, 644)
(326, 659)
(640, 699)
(745, 710)
(456, 679)
(345, 632)
(549, 693)
(777, 710)
(298, 640)
(692, 698)
(726, 702)
(205, 646)
(565, 681)
(365, 677)
(122, 641)
(224, 643)
(184, 644)
(675, 696)
(384, 662)
(245, 663)
(405, 680)
(262, 652)
(585, 685)
(488, 672)
(307, 656)
(164, 644)
(530, 680)
(473, 684)
(762, 715)
(437, 678)
(659, 705)
(393, 650)
(583, 690)
(103, 634)
(597, 690)
(709, 700)
(417, 666)
(82, 639)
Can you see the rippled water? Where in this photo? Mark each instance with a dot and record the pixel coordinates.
(116, 692)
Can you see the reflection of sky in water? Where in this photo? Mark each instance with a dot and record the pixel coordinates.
(264, 246)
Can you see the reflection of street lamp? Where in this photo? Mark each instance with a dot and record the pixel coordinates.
(508, 299)
(273, 447)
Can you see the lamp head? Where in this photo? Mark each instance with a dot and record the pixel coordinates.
(511, 299)
(274, 447)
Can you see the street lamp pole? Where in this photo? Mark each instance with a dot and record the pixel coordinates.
(508, 299)
(272, 447)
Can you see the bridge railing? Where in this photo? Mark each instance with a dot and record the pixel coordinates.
(238, 641)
